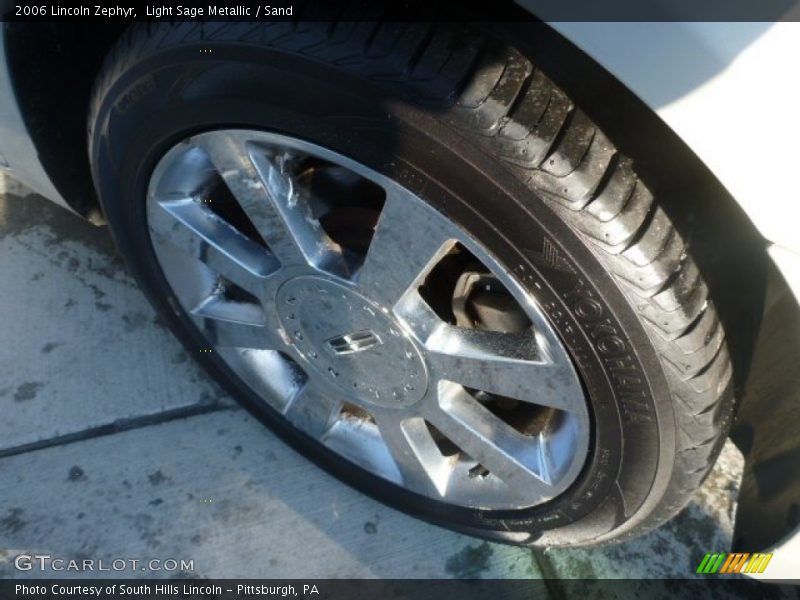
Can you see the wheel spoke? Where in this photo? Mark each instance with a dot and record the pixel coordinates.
(266, 194)
(418, 316)
(233, 324)
(199, 232)
(410, 444)
(406, 243)
(514, 458)
(504, 364)
(312, 410)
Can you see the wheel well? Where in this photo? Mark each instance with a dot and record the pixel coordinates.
(55, 96)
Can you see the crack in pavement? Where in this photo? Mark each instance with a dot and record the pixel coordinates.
(117, 426)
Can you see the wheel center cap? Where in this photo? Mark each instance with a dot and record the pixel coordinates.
(351, 341)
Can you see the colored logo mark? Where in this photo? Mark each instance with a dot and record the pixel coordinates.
(736, 562)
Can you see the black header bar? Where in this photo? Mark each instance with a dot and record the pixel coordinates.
(403, 10)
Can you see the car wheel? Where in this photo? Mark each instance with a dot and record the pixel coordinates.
(410, 254)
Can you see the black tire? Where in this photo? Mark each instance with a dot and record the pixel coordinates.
(468, 123)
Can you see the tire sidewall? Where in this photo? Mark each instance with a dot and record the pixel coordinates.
(164, 99)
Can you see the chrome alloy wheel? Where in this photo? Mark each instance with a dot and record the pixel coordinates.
(368, 319)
